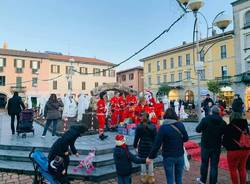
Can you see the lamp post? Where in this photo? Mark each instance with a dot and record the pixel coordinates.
(221, 21)
(71, 71)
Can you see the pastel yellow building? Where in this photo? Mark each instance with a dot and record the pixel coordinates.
(38, 74)
(175, 67)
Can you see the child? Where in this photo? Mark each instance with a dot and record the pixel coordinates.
(123, 160)
(144, 139)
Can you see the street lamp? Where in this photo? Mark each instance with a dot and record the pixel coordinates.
(184, 2)
(195, 5)
(71, 71)
(222, 22)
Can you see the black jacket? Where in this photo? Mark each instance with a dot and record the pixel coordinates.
(231, 133)
(145, 135)
(237, 105)
(205, 105)
(15, 105)
(67, 140)
(123, 161)
(170, 140)
(212, 128)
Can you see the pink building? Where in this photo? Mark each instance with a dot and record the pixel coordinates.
(132, 78)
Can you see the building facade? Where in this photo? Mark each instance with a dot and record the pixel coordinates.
(37, 74)
(175, 67)
(241, 14)
(132, 78)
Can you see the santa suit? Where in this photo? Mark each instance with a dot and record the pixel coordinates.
(152, 116)
(101, 114)
(131, 102)
(122, 108)
(159, 107)
(138, 110)
(114, 103)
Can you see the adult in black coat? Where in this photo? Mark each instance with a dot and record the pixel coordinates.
(237, 105)
(206, 106)
(15, 106)
(61, 148)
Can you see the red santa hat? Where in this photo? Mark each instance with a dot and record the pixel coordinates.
(120, 140)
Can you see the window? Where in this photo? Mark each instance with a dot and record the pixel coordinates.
(149, 67)
(83, 86)
(2, 80)
(158, 79)
(172, 77)
(223, 52)
(188, 75)
(149, 81)
(83, 70)
(96, 71)
(187, 59)
(112, 73)
(55, 69)
(247, 19)
(18, 81)
(223, 71)
(34, 65)
(19, 65)
(164, 78)
(70, 87)
(172, 63)
(202, 55)
(202, 74)
(104, 73)
(2, 64)
(180, 76)
(164, 64)
(131, 76)
(123, 77)
(54, 85)
(158, 66)
(34, 82)
(247, 41)
(179, 61)
(96, 84)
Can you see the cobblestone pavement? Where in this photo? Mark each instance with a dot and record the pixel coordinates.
(189, 177)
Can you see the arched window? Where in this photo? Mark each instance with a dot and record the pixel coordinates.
(247, 19)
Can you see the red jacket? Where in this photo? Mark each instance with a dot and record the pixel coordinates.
(101, 106)
(114, 102)
(159, 109)
(131, 100)
(122, 103)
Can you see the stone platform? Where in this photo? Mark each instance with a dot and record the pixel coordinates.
(14, 151)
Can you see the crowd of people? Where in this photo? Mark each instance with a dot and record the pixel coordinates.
(150, 137)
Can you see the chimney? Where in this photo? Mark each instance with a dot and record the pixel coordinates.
(5, 45)
(214, 32)
(184, 43)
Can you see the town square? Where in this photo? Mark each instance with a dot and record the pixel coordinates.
(126, 92)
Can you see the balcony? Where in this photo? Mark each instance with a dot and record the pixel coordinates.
(245, 77)
(225, 80)
(19, 89)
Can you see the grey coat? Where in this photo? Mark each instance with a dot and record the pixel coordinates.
(52, 111)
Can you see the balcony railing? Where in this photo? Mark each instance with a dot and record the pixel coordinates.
(245, 77)
(225, 80)
(20, 89)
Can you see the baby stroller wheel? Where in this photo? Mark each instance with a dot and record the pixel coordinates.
(23, 135)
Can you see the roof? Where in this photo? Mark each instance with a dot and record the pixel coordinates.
(19, 53)
(187, 45)
(238, 2)
(130, 69)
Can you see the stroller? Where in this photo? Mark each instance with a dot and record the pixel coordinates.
(40, 164)
(26, 123)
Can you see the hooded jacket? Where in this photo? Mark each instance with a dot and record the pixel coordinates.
(212, 128)
(15, 105)
(52, 111)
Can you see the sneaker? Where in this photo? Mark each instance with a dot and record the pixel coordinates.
(199, 181)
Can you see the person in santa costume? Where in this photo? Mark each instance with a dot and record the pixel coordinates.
(101, 115)
(139, 109)
(159, 109)
(114, 104)
(131, 102)
(123, 160)
(122, 108)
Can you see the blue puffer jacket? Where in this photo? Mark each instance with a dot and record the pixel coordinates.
(170, 140)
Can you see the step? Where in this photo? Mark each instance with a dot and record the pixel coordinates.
(99, 173)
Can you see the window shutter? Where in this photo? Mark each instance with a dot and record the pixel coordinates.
(23, 62)
(58, 69)
(51, 68)
(31, 64)
(4, 61)
(15, 63)
(38, 64)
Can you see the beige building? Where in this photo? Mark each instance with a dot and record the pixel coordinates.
(132, 78)
(37, 74)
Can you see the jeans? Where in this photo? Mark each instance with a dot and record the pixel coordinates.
(49, 121)
(174, 169)
(214, 156)
(124, 179)
(237, 161)
(13, 121)
(147, 170)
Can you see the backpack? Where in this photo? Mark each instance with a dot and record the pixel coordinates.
(244, 141)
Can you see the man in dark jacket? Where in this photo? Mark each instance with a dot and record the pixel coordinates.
(61, 148)
(205, 104)
(237, 105)
(212, 128)
(15, 106)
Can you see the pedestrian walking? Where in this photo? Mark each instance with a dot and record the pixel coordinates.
(238, 104)
(143, 142)
(171, 136)
(236, 155)
(52, 113)
(207, 104)
(15, 106)
(59, 152)
(212, 128)
(123, 160)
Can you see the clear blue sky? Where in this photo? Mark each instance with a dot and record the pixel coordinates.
(106, 29)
